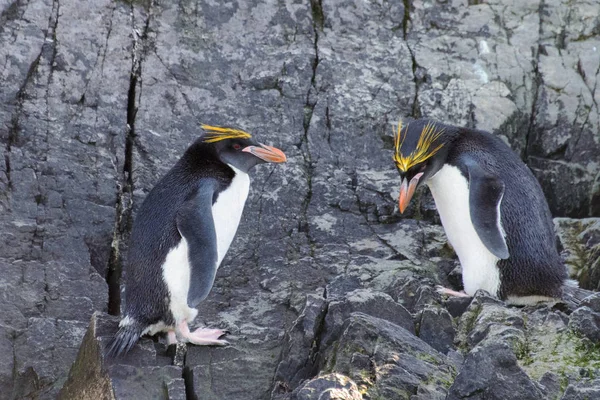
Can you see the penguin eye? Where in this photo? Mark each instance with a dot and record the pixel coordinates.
(236, 146)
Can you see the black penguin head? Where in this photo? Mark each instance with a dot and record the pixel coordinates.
(420, 152)
(237, 148)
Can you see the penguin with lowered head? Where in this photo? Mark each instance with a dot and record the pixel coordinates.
(181, 234)
(491, 206)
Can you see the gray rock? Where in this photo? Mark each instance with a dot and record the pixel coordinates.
(593, 302)
(491, 372)
(585, 389)
(376, 304)
(98, 102)
(586, 322)
(550, 385)
(341, 285)
(488, 318)
(395, 366)
(328, 387)
(437, 329)
(244, 369)
(302, 343)
(457, 305)
(141, 374)
(414, 294)
(580, 241)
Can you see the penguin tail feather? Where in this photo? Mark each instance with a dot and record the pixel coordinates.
(573, 294)
(125, 338)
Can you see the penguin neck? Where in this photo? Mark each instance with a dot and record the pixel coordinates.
(227, 210)
(239, 174)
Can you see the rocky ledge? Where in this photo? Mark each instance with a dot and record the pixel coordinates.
(326, 282)
(378, 331)
(404, 342)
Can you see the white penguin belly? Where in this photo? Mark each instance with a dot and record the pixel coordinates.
(450, 190)
(176, 274)
(227, 212)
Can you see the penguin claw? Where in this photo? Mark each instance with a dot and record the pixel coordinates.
(442, 290)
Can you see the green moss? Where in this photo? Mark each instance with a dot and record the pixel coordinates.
(427, 358)
(446, 383)
(447, 251)
(582, 260)
(444, 380)
(563, 353)
(468, 321)
(330, 362)
(523, 353)
(587, 355)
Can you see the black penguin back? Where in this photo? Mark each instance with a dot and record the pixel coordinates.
(154, 232)
(534, 266)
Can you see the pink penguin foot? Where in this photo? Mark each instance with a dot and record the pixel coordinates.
(171, 337)
(201, 336)
(450, 292)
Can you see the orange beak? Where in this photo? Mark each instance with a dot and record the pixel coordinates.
(407, 190)
(266, 153)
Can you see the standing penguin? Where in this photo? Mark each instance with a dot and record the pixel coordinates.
(181, 234)
(491, 206)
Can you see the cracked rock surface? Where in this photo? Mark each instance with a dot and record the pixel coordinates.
(327, 291)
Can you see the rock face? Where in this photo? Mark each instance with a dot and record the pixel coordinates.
(580, 240)
(327, 290)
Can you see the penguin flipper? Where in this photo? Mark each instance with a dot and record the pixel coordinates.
(196, 225)
(485, 195)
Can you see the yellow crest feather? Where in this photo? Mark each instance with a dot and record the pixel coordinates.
(423, 150)
(218, 133)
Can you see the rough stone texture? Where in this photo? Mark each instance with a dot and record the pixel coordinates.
(436, 328)
(142, 373)
(98, 101)
(580, 240)
(528, 71)
(387, 361)
(491, 372)
(328, 387)
(587, 323)
(586, 389)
